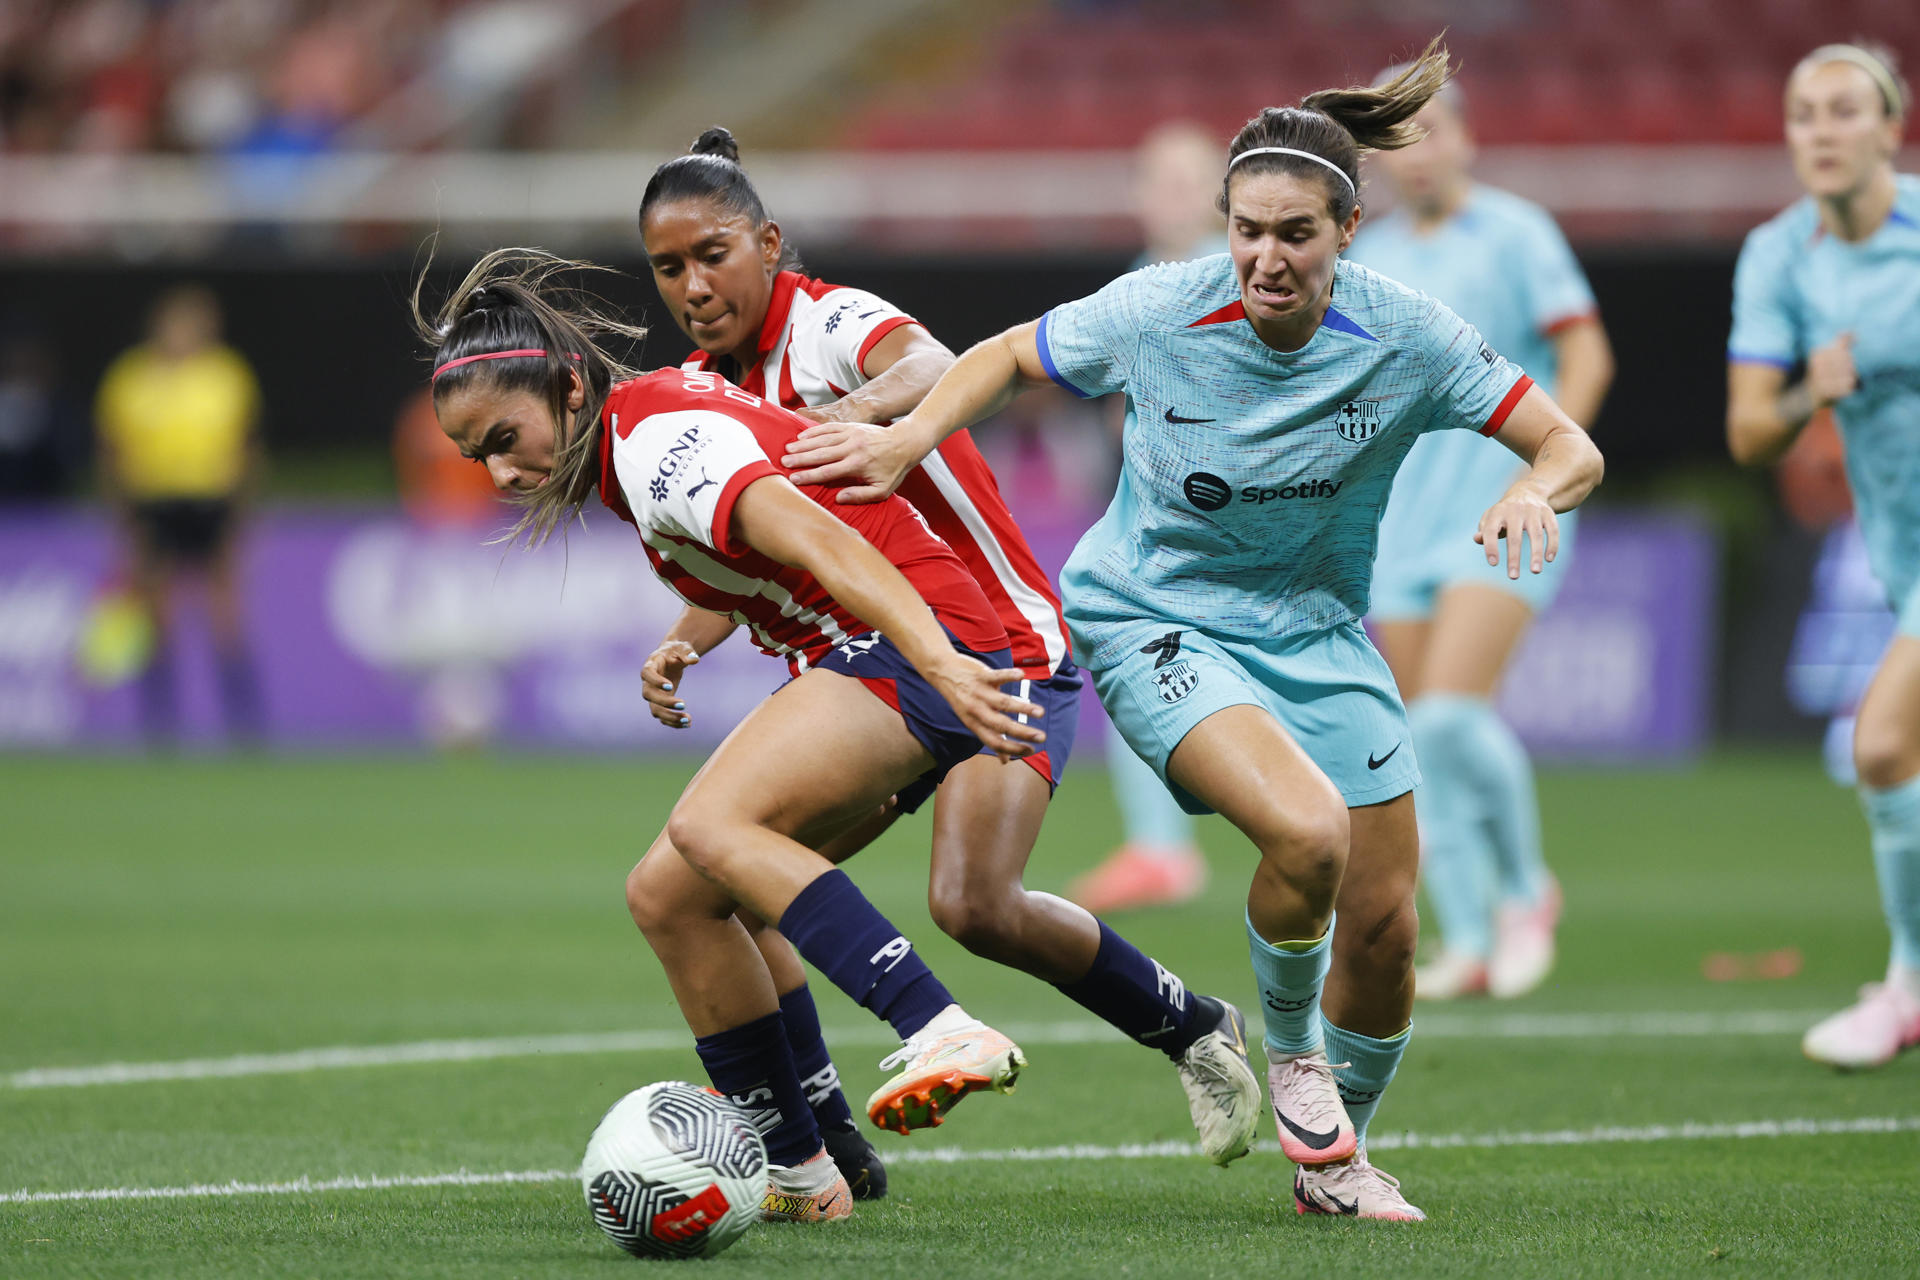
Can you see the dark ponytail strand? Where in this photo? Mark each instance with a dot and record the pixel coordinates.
(1341, 125)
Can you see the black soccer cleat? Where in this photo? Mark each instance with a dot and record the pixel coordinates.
(858, 1162)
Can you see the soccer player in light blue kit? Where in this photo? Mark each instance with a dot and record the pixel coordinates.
(1271, 395)
(1447, 622)
(1826, 312)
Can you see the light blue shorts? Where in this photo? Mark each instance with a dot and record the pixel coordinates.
(1415, 564)
(1329, 689)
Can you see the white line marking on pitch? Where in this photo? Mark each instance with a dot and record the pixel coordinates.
(1516, 1026)
(960, 1155)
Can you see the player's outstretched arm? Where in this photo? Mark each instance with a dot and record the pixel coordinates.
(1563, 468)
(873, 461)
(900, 370)
(1765, 416)
(693, 633)
(779, 521)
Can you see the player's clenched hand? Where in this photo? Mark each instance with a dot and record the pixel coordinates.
(973, 690)
(660, 682)
(1522, 515)
(1831, 376)
(871, 461)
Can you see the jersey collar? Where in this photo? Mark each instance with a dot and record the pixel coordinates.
(779, 306)
(610, 494)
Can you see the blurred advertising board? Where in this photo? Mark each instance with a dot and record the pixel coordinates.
(369, 630)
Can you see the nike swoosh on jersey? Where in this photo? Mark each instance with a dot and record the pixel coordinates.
(1174, 417)
(1375, 764)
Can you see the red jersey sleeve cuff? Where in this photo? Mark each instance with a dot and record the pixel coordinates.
(872, 340)
(1499, 418)
(1554, 328)
(723, 509)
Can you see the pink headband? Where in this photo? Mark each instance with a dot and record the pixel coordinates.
(494, 355)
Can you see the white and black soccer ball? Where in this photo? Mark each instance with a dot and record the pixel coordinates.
(674, 1171)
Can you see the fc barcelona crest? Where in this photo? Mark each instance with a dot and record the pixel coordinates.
(1176, 680)
(1358, 420)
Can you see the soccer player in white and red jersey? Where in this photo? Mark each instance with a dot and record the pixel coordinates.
(838, 354)
(874, 708)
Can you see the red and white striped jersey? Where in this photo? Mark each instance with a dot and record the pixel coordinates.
(815, 339)
(678, 447)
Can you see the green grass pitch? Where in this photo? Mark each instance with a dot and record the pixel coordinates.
(197, 909)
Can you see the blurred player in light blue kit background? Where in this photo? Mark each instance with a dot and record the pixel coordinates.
(1826, 314)
(1159, 861)
(1447, 622)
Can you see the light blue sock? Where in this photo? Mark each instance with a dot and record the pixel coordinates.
(1369, 1070)
(1290, 983)
(1456, 858)
(1893, 815)
(1512, 806)
(1151, 815)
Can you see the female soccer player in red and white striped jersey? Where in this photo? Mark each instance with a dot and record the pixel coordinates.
(521, 385)
(838, 354)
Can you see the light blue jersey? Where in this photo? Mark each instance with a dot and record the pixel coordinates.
(1254, 479)
(1502, 264)
(1796, 289)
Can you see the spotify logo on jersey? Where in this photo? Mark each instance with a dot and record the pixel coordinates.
(1207, 492)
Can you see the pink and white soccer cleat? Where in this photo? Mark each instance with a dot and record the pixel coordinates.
(1871, 1033)
(1313, 1123)
(1523, 938)
(1451, 976)
(1352, 1189)
(1136, 876)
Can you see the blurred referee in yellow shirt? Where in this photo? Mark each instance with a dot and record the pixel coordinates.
(179, 457)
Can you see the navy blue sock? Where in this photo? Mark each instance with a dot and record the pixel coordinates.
(1134, 993)
(753, 1066)
(837, 931)
(817, 1074)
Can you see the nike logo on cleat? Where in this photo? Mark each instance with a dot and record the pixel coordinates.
(1174, 417)
(1317, 1141)
(1375, 764)
(1349, 1209)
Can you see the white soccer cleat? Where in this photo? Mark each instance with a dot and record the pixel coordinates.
(1523, 942)
(937, 1070)
(1223, 1093)
(1451, 976)
(1352, 1189)
(1313, 1123)
(1869, 1033)
(812, 1191)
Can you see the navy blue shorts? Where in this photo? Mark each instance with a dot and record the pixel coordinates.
(873, 660)
(1059, 697)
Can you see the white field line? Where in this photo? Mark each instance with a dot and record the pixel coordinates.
(1516, 1026)
(1688, 1132)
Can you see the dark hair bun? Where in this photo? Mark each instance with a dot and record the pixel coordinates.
(716, 142)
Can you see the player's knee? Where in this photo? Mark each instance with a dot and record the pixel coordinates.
(1306, 846)
(1885, 753)
(1379, 942)
(975, 915)
(645, 903)
(703, 841)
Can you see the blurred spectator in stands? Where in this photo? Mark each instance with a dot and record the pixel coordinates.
(42, 447)
(179, 458)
